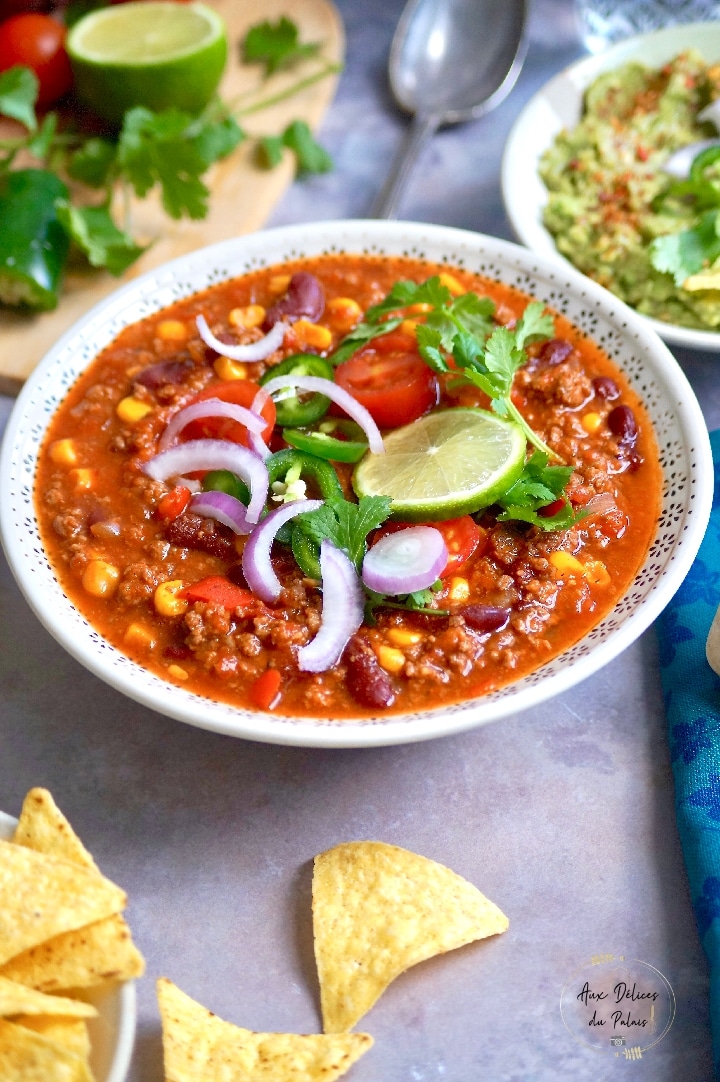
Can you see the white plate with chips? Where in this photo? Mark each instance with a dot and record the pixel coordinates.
(112, 1033)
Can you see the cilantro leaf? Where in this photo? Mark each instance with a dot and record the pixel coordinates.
(346, 524)
(311, 157)
(270, 150)
(404, 293)
(216, 139)
(18, 95)
(93, 163)
(687, 252)
(94, 231)
(276, 45)
(535, 325)
(361, 335)
(41, 142)
(430, 344)
(539, 485)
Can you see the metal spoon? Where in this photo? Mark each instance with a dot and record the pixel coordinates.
(450, 61)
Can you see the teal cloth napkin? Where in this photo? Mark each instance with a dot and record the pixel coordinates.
(692, 701)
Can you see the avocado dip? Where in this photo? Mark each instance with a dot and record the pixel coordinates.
(608, 199)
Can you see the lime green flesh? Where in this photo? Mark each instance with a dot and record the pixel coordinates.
(449, 463)
(156, 53)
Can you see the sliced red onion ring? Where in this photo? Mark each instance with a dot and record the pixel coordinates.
(224, 508)
(405, 561)
(256, 564)
(210, 407)
(253, 351)
(342, 614)
(258, 445)
(331, 390)
(600, 504)
(214, 455)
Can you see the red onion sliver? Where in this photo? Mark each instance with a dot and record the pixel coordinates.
(253, 351)
(600, 504)
(256, 564)
(258, 445)
(338, 395)
(210, 407)
(405, 561)
(214, 455)
(224, 508)
(342, 614)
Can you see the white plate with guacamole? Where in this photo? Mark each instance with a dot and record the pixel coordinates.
(558, 108)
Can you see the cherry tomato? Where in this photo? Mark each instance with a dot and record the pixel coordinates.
(37, 42)
(390, 379)
(241, 392)
(462, 537)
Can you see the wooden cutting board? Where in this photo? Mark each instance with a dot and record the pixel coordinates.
(243, 195)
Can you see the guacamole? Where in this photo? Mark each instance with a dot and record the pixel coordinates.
(609, 198)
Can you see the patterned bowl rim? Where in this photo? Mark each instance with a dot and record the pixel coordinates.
(650, 367)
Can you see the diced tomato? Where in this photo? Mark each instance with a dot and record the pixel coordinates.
(218, 590)
(390, 379)
(265, 692)
(462, 537)
(241, 392)
(174, 503)
(551, 509)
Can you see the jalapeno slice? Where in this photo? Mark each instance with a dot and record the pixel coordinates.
(701, 165)
(225, 481)
(304, 467)
(322, 443)
(306, 552)
(300, 409)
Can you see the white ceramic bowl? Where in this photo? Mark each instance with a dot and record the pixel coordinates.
(112, 1033)
(651, 369)
(558, 105)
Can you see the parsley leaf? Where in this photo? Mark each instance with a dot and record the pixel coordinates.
(346, 524)
(94, 231)
(18, 94)
(276, 45)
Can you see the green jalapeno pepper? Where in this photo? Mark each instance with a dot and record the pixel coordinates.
(225, 481)
(301, 409)
(33, 244)
(305, 467)
(702, 163)
(306, 553)
(323, 444)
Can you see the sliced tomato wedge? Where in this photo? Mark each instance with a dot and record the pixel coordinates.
(241, 392)
(462, 537)
(390, 379)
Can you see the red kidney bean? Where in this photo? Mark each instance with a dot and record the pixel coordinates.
(485, 618)
(621, 422)
(228, 339)
(191, 532)
(366, 681)
(237, 576)
(304, 300)
(554, 352)
(158, 375)
(177, 652)
(605, 387)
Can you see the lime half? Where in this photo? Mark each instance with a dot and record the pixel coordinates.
(156, 53)
(448, 463)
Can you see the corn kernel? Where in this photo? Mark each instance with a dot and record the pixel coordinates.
(392, 660)
(172, 330)
(279, 283)
(139, 637)
(227, 369)
(312, 334)
(402, 636)
(343, 312)
(566, 563)
(596, 573)
(451, 282)
(252, 315)
(64, 452)
(166, 600)
(458, 589)
(131, 410)
(418, 309)
(591, 422)
(408, 326)
(177, 672)
(100, 578)
(83, 479)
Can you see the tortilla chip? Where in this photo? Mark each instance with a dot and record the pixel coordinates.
(379, 909)
(99, 952)
(42, 896)
(26, 1056)
(199, 1047)
(44, 828)
(71, 1033)
(17, 999)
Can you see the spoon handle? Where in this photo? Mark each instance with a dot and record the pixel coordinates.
(386, 203)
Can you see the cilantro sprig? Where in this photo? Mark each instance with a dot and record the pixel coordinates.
(539, 485)
(277, 45)
(691, 250)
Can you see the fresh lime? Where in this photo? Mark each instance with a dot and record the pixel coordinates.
(447, 464)
(156, 53)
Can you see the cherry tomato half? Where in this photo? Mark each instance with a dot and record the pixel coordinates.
(241, 392)
(462, 537)
(390, 379)
(37, 42)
